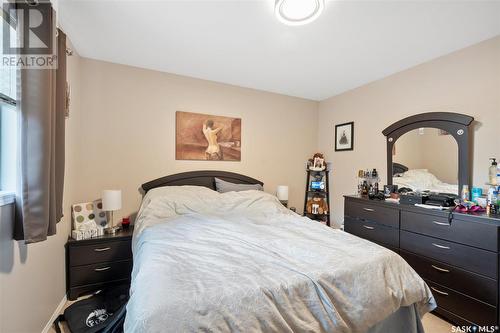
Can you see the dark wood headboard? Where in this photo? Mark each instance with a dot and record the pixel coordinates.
(398, 168)
(204, 178)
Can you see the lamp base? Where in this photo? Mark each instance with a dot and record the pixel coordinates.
(112, 230)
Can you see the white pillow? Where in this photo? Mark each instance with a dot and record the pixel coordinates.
(420, 178)
(171, 201)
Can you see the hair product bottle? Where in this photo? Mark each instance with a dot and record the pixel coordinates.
(493, 172)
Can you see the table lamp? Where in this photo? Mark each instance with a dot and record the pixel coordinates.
(282, 194)
(111, 201)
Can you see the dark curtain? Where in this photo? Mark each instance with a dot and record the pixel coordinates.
(41, 108)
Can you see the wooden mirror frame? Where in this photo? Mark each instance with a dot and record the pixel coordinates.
(458, 125)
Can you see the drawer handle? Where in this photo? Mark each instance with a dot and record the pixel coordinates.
(102, 269)
(439, 291)
(441, 223)
(368, 227)
(369, 209)
(440, 269)
(441, 246)
(102, 249)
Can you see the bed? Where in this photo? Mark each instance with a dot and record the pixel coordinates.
(420, 180)
(241, 262)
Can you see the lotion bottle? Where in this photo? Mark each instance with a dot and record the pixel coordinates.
(465, 193)
(493, 172)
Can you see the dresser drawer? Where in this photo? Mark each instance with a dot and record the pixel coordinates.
(481, 235)
(475, 311)
(367, 211)
(469, 258)
(99, 273)
(471, 284)
(372, 231)
(96, 253)
(453, 318)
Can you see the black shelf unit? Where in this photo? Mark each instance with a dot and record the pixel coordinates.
(325, 193)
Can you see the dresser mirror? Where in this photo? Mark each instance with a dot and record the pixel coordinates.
(430, 151)
(426, 159)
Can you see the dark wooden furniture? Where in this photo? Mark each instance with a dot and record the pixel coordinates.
(398, 168)
(323, 193)
(456, 254)
(95, 263)
(458, 125)
(204, 178)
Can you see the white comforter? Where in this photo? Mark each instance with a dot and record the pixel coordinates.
(423, 180)
(241, 262)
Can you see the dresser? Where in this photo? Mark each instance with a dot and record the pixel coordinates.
(96, 263)
(456, 254)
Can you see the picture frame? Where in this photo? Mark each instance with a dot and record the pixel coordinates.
(205, 137)
(318, 164)
(344, 136)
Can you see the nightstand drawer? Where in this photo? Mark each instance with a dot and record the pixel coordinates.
(96, 253)
(467, 257)
(375, 213)
(98, 273)
(372, 231)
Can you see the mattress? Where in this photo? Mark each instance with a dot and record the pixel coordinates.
(241, 262)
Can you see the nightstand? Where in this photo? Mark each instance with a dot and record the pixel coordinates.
(95, 263)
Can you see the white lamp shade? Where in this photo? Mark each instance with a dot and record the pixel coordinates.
(111, 200)
(282, 192)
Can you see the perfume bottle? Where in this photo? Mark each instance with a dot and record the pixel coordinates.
(365, 188)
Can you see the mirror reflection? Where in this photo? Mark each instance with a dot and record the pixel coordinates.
(426, 159)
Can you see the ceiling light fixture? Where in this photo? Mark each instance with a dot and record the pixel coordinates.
(298, 12)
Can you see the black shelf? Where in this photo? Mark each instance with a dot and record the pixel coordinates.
(324, 193)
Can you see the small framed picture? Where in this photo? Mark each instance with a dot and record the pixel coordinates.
(344, 137)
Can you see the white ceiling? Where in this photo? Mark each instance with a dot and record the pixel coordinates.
(242, 43)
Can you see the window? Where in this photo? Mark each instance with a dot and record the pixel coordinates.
(8, 119)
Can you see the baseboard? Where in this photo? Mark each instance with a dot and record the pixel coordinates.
(56, 313)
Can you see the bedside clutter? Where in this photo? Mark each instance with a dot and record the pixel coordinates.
(95, 263)
(457, 254)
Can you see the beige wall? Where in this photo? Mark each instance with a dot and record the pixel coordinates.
(408, 150)
(127, 131)
(466, 81)
(440, 155)
(32, 277)
(431, 151)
